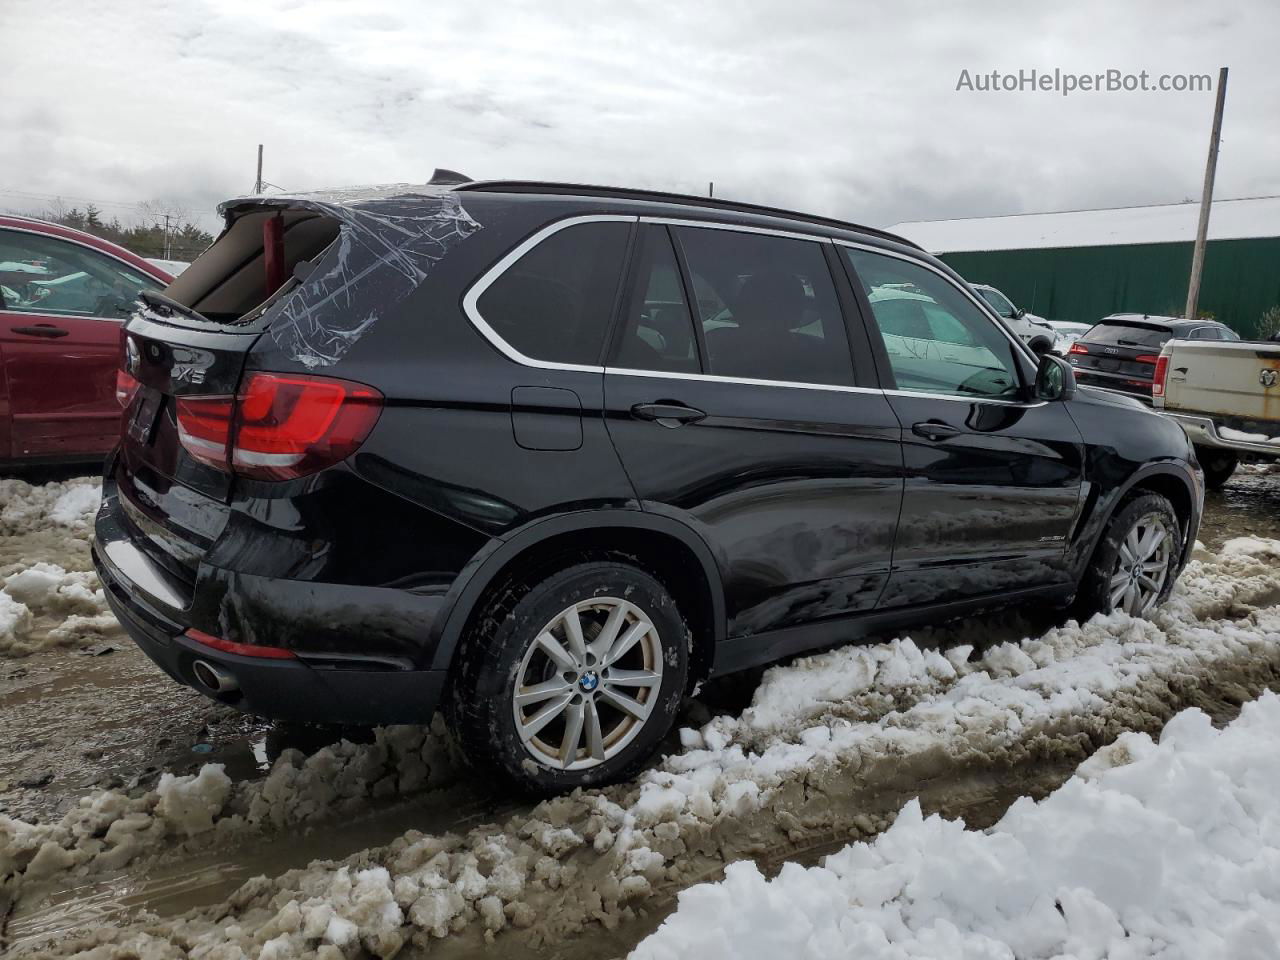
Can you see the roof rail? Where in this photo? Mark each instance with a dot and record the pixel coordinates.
(628, 193)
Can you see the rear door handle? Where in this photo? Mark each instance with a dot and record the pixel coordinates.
(42, 330)
(934, 430)
(667, 413)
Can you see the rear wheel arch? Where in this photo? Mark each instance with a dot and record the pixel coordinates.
(663, 547)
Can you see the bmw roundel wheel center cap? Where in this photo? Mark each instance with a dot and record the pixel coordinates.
(589, 681)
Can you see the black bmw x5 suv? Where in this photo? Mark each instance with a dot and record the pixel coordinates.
(547, 456)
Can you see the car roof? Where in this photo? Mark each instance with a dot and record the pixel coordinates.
(355, 196)
(707, 204)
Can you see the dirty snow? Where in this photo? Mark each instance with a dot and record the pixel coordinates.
(1229, 433)
(817, 729)
(108, 830)
(45, 603)
(1151, 850)
(69, 504)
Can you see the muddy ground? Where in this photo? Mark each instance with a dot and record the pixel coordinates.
(76, 721)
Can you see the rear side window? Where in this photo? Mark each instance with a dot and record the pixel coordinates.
(555, 302)
(657, 330)
(1128, 335)
(767, 306)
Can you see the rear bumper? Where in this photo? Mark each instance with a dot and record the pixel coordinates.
(327, 687)
(1203, 432)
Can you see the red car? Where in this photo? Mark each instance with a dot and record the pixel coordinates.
(65, 296)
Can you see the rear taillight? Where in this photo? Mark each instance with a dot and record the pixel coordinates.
(126, 387)
(281, 426)
(204, 428)
(1147, 358)
(1078, 348)
(287, 426)
(1162, 371)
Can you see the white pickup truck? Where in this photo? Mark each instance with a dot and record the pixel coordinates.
(1226, 395)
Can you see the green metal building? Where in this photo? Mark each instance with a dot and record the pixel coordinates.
(1084, 264)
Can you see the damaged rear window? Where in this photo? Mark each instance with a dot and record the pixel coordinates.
(317, 271)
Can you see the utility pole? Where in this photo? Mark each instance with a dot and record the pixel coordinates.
(1206, 200)
(711, 188)
(168, 249)
(257, 184)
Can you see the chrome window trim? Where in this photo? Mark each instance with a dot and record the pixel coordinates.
(736, 228)
(490, 276)
(745, 381)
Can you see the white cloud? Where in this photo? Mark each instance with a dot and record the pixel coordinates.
(838, 108)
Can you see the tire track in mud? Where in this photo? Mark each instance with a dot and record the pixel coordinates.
(852, 801)
(1016, 721)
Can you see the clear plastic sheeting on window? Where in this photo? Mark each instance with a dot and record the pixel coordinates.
(389, 241)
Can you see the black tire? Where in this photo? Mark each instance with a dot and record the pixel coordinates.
(1095, 593)
(479, 704)
(1218, 465)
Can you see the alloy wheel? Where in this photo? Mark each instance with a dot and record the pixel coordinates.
(1142, 566)
(588, 683)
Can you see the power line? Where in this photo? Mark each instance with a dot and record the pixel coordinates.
(49, 197)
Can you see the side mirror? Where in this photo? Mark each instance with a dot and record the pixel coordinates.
(1055, 380)
(1019, 313)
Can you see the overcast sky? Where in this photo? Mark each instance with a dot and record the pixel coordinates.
(845, 109)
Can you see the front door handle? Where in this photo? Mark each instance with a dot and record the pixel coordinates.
(42, 330)
(667, 412)
(934, 430)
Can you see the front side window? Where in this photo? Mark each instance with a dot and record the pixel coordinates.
(43, 274)
(767, 306)
(556, 301)
(999, 302)
(937, 340)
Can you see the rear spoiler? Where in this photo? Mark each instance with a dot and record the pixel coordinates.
(163, 306)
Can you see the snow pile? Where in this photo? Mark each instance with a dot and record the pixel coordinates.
(46, 603)
(1169, 850)
(790, 767)
(1230, 434)
(25, 508)
(108, 830)
(70, 604)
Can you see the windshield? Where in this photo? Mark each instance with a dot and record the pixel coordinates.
(999, 302)
(1128, 335)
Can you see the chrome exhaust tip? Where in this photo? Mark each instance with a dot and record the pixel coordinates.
(214, 678)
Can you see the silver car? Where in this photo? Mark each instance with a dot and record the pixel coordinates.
(1035, 331)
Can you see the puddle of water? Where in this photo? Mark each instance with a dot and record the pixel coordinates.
(1248, 506)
